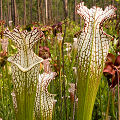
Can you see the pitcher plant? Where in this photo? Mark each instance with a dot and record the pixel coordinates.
(25, 67)
(93, 46)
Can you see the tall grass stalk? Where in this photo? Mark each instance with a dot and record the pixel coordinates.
(3, 93)
(64, 86)
(108, 104)
(60, 80)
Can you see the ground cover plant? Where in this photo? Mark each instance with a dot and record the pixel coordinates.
(66, 70)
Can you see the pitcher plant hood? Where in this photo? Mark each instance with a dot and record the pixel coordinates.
(25, 58)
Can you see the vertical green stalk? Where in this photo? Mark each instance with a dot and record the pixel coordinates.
(100, 101)
(60, 81)
(64, 86)
(9, 91)
(76, 61)
(118, 96)
(60, 44)
(107, 111)
(3, 92)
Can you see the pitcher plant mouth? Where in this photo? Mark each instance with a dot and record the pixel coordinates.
(25, 58)
(108, 13)
(28, 68)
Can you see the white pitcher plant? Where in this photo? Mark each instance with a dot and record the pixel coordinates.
(25, 67)
(44, 101)
(93, 46)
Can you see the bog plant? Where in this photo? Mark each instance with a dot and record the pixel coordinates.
(93, 46)
(31, 98)
(44, 101)
(25, 67)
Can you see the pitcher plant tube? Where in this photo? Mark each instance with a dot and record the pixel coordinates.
(44, 101)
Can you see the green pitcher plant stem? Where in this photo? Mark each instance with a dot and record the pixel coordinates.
(25, 66)
(93, 46)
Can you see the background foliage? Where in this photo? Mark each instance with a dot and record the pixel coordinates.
(65, 108)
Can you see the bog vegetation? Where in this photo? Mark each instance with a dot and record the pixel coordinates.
(60, 60)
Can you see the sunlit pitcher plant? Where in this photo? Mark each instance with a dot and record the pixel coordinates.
(93, 46)
(25, 66)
